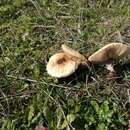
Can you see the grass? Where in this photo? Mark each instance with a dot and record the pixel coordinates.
(33, 30)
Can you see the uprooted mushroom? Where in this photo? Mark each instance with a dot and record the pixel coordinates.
(65, 63)
(108, 54)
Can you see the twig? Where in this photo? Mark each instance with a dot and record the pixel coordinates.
(43, 26)
(39, 82)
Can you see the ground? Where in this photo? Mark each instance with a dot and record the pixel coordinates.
(33, 30)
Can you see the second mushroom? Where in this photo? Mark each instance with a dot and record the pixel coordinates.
(108, 54)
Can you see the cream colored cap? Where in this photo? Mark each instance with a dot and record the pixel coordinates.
(112, 51)
(72, 52)
(75, 54)
(61, 65)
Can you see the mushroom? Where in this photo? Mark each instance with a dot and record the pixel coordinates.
(61, 65)
(82, 59)
(108, 54)
(65, 63)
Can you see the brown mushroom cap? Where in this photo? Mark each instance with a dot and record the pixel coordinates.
(71, 51)
(76, 54)
(112, 51)
(61, 65)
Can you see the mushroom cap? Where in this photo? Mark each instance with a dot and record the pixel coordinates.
(112, 51)
(61, 65)
(72, 52)
(75, 54)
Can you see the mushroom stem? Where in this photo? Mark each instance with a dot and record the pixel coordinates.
(110, 67)
(112, 73)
